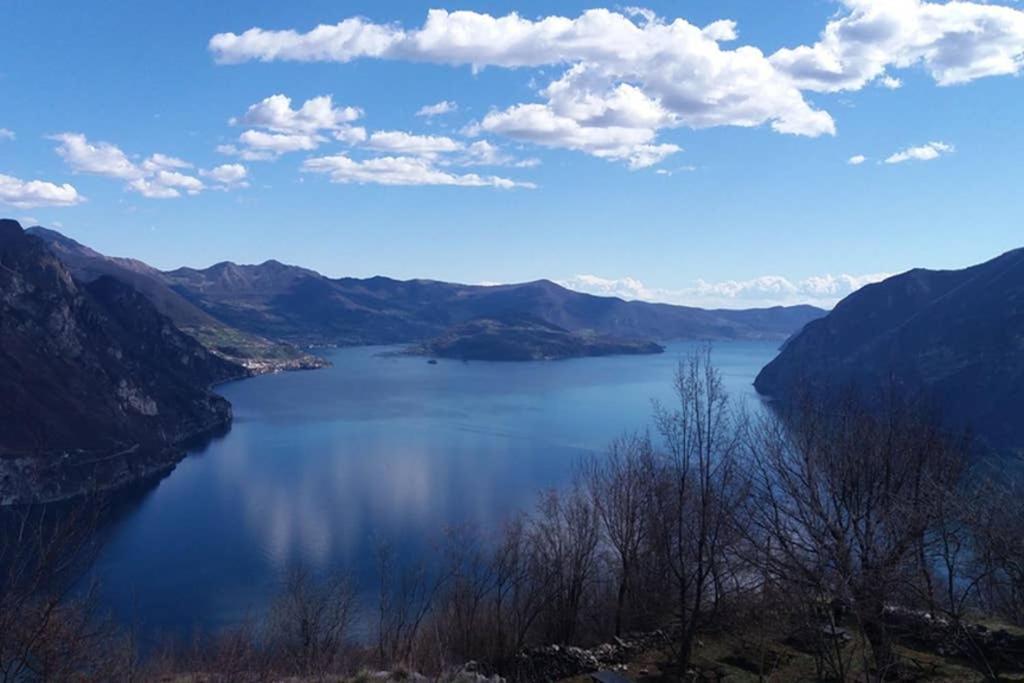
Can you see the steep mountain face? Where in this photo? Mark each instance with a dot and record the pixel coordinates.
(516, 338)
(256, 353)
(301, 306)
(98, 386)
(954, 337)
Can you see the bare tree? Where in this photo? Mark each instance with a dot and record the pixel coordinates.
(518, 599)
(997, 532)
(310, 621)
(621, 491)
(564, 539)
(48, 629)
(405, 599)
(699, 485)
(848, 499)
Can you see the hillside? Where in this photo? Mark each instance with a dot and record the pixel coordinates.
(954, 337)
(98, 386)
(252, 351)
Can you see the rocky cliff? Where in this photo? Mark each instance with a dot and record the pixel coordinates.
(98, 387)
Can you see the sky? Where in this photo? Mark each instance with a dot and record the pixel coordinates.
(727, 153)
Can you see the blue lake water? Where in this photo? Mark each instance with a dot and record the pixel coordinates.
(321, 466)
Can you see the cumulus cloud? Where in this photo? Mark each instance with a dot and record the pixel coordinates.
(316, 114)
(540, 125)
(407, 143)
(227, 176)
(954, 42)
(6, 134)
(101, 158)
(275, 128)
(400, 170)
(351, 135)
(484, 153)
(439, 109)
(926, 152)
(274, 144)
(628, 76)
(769, 290)
(438, 149)
(857, 160)
(26, 194)
(158, 176)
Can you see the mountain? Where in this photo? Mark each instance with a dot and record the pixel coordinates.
(521, 338)
(238, 310)
(303, 307)
(99, 387)
(254, 352)
(954, 337)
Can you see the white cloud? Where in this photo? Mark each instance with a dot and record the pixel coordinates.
(7, 134)
(955, 42)
(540, 125)
(721, 31)
(890, 82)
(227, 176)
(262, 142)
(407, 143)
(276, 128)
(152, 189)
(158, 176)
(245, 153)
(630, 75)
(770, 290)
(157, 162)
(316, 114)
(626, 79)
(101, 158)
(926, 152)
(484, 153)
(857, 160)
(26, 194)
(399, 170)
(439, 109)
(351, 135)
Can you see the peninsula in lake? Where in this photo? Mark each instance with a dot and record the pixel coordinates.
(521, 339)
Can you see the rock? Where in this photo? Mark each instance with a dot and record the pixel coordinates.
(553, 662)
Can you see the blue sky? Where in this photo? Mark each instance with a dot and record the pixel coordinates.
(674, 158)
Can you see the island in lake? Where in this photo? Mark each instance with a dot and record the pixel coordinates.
(523, 338)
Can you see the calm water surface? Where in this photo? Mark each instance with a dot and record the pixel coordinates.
(321, 466)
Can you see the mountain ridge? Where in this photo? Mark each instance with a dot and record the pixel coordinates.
(954, 337)
(299, 306)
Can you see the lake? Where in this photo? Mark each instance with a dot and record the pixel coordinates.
(321, 466)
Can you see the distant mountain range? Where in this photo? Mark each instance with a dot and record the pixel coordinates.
(954, 338)
(98, 387)
(300, 306)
